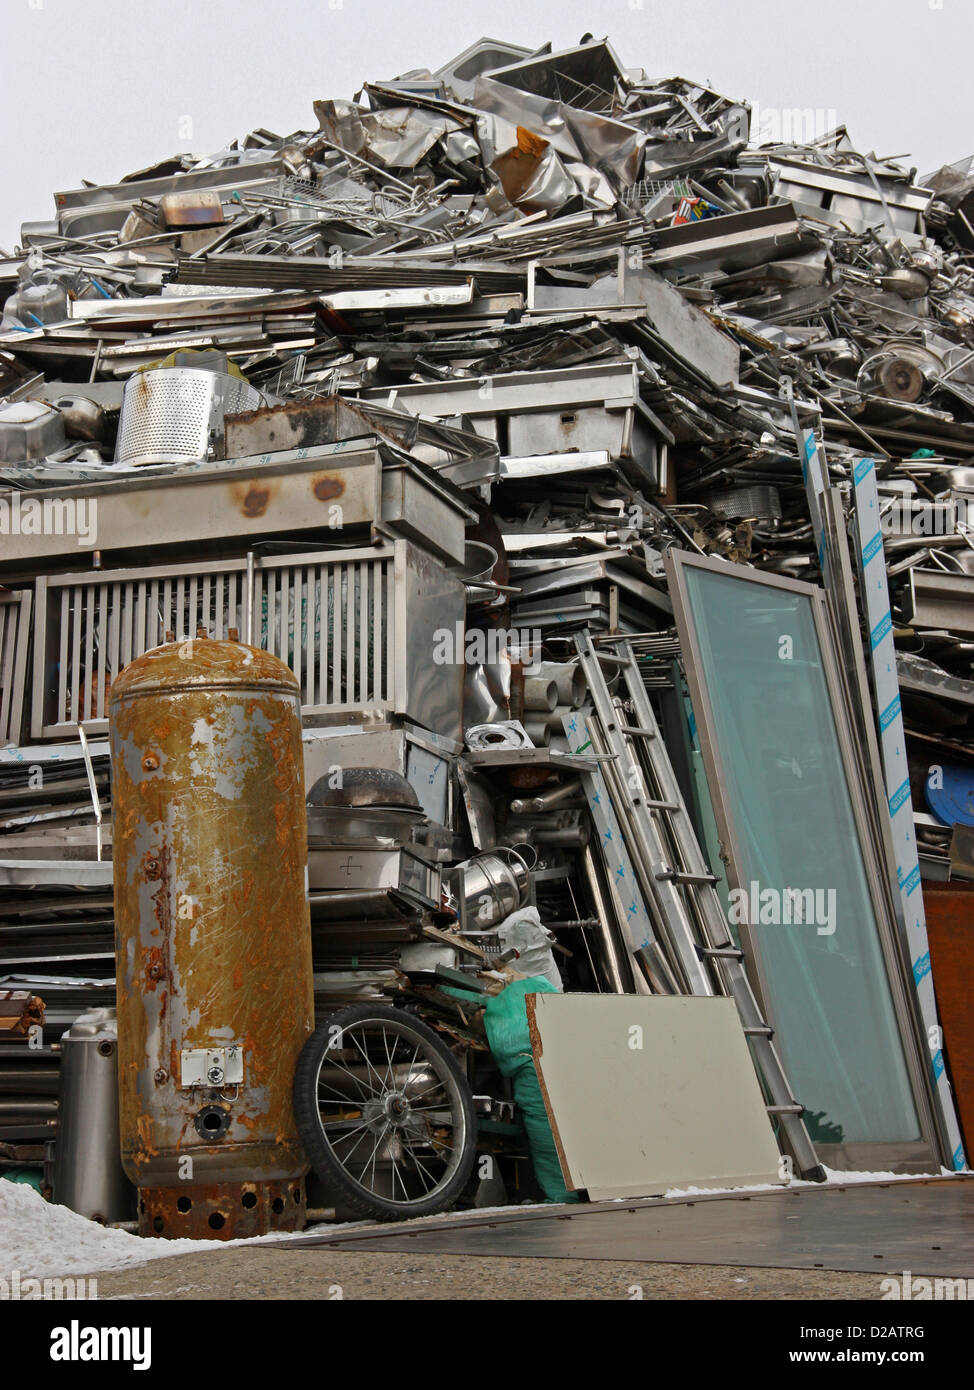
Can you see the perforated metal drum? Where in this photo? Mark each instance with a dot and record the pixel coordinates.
(175, 414)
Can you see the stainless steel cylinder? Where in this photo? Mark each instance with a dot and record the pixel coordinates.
(493, 887)
(569, 681)
(88, 1174)
(538, 729)
(540, 694)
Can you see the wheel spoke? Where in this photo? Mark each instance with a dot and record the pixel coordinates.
(368, 1063)
(342, 1096)
(341, 1127)
(368, 1094)
(437, 1086)
(375, 1153)
(390, 1073)
(396, 1174)
(344, 1160)
(422, 1167)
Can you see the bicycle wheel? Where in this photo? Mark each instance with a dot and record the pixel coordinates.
(384, 1113)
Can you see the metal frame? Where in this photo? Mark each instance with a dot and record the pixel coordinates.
(229, 589)
(15, 607)
(908, 1156)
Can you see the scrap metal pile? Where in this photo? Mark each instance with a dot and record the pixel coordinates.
(443, 403)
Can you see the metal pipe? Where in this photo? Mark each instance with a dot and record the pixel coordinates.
(96, 803)
(548, 800)
(249, 623)
(609, 948)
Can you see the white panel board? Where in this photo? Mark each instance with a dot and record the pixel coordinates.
(647, 1093)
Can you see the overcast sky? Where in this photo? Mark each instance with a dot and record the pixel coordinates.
(93, 89)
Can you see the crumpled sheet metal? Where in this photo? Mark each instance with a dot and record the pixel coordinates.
(599, 215)
(531, 174)
(400, 138)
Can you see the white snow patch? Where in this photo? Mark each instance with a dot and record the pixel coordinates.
(835, 1178)
(44, 1241)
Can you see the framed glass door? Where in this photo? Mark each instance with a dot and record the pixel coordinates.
(807, 897)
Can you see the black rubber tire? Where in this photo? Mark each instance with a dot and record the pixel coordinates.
(326, 1163)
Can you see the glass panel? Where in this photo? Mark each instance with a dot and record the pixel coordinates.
(815, 931)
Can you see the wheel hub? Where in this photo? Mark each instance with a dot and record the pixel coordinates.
(396, 1107)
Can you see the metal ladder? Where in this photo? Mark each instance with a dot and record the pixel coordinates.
(675, 873)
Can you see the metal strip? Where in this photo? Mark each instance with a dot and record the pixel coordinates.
(91, 598)
(310, 599)
(338, 577)
(882, 656)
(296, 644)
(375, 655)
(74, 714)
(8, 628)
(322, 591)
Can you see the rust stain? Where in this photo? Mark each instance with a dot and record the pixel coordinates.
(256, 500)
(153, 968)
(238, 1209)
(325, 488)
(254, 497)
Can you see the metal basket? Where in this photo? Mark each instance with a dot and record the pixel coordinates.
(175, 414)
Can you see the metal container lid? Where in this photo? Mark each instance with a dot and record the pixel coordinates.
(202, 663)
(364, 788)
(94, 1024)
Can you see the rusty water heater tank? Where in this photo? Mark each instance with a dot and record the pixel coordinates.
(213, 945)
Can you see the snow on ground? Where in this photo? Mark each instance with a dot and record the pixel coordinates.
(834, 1178)
(44, 1241)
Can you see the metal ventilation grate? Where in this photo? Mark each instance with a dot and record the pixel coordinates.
(329, 615)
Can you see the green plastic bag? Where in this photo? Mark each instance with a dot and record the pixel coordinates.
(506, 1022)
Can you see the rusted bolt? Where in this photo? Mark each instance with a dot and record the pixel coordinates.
(160, 1076)
(150, 762)
(156, 971)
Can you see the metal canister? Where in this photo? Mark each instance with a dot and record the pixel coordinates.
(213, 948)
(88, 1175)
(492, 887)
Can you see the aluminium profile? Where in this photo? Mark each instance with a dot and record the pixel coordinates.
(941, 601)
